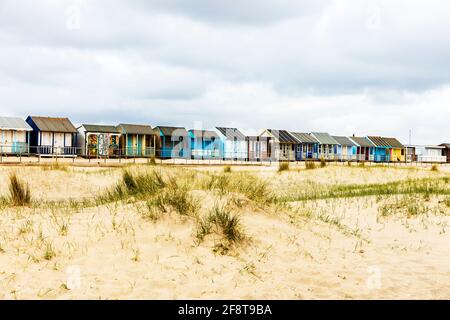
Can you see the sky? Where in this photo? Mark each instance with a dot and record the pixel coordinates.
(344, 67)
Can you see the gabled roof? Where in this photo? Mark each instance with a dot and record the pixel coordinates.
(283, 136)
(12, 123)
(362, 142)
(231, 133)
(324, 138)
(257, 138)
(344, 141)
(394, 143)
(206, 134)
(379, 141)
(50, 124)
(447, 145)
(168, 131)
(135, 128)
(304, 137)
(100, 128)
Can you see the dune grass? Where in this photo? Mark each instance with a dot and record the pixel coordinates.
(310, 165)
(283, 166)
(221, 222)
(315, 191)
(19, 191)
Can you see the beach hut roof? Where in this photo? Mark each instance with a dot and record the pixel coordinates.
(168, 131)
(446, 145)
(135, 128)
(344, 141)
(324, 138)
(100, 128)
(283, 136)
(394, 143)
(231, 133)
(12, 123)
(53, 124)
(378, 141)
(304, 137)
(362, 142)
(204, 133)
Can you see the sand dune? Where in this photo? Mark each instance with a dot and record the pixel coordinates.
(317, 249)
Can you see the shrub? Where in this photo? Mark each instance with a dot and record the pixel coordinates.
(178, 197)
(19, 191)
(283, 166)
(227, 169)
(221, 222)
(323, 163)
(309, 164)
(434, 168)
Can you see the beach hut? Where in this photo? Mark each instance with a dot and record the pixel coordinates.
(429, 153)
(446, 150)
(52, 136)
(257, 148)
(365, 149)
(136, 140)
(397, 150)
(234, 143)
(382, 150)
(96, 140)
(328, 147)
(205, 144)
(307, 147)
(281, 144)
(14, 135)
(347, 149)
(172, 142)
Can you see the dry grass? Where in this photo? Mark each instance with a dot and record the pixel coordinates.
(310, 165)
(283, 166)
(19, 191)
(201, 232)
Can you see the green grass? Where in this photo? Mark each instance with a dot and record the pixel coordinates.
(55, 166)
(220, 221)
(249, 185)
(315, 191)
(408, 205)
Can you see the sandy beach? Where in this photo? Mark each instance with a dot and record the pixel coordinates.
(328, 242)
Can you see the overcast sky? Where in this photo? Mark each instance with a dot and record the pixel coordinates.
(343, 67)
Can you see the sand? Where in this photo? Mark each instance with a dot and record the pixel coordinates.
(111, 252)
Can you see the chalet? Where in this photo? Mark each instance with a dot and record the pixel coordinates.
(136, 140)
(52, 136)
(281, 144)
(307, 147)
(172, 142)
(258, 148)
(234, 143)
(416, 153)
(382, 151)
(347, 149)
(328, 146)
(205, 144)
(98, 140)
(14, 135)
(446, 151)
(365, 149)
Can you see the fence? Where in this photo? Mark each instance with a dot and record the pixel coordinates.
(23, 150)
